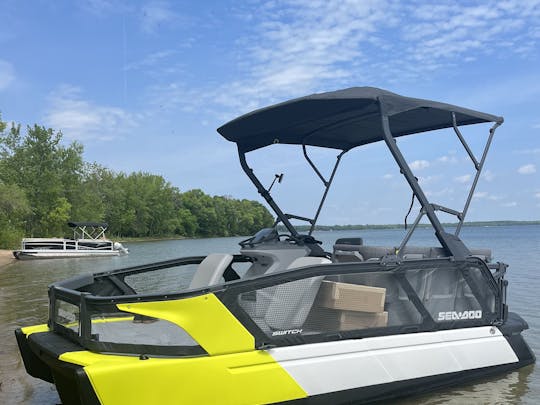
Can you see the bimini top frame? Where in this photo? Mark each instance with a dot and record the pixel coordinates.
(90, 230)
(348, 118)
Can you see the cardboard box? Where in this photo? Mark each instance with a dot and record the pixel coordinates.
(349, 320)
(325, 319)
(351, 297)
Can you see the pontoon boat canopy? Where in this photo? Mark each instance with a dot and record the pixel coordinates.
(92, 224)
(344, 119)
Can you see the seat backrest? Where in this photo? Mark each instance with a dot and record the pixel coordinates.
(307, 261)
(291, 302)
(484, 254)
(210, 270)
(346, 250)
(375, 252)
(267, 260)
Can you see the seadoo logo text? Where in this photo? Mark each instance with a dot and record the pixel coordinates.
(453, 315)
(286, 332)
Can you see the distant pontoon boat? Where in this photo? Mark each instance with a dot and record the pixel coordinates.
(88, 241)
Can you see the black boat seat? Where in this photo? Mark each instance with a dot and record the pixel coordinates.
(346, 250)
(413, 256)
(285, 306)
(291, 302)
(357, 252)
(210, 270)
(482, 253)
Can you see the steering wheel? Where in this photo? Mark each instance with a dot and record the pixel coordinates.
(245, 242)
(287, 236)
(254, 240)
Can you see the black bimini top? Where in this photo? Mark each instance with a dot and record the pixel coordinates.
(92, 224)
(344, 119)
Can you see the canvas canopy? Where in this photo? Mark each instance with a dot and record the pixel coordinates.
(344, 119)
(92, 224)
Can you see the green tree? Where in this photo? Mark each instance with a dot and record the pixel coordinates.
(44, 183)
(202, 207)
(48, 172)
(13, 210)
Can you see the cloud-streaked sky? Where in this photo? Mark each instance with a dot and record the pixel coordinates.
(144, 84)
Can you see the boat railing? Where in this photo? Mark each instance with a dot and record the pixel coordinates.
(270, 304)
(66, 244)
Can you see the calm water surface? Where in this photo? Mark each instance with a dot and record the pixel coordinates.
(23, 302)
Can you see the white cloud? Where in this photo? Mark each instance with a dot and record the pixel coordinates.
(156, 14)
(151, 60)
(99, 7)
(292, 48)
(439, 193)
(534, 151)
(480, 194)
(296, 47)
(537, 195)
(441, 33)
(388, 176)
(419, 164)
(527, 169)
(509, 204)
(448, 159)
(81, 119)
(7, 74)
(425, 180)
(537, 126)
(463, 179)
(160, 64)
(486, 195)
(488, 175)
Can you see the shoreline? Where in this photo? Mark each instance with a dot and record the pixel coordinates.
(6, 257)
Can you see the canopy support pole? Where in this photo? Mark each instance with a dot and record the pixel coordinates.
(478, 165)
(463, 142)
(266, 195)
(327, 184)
(451, 243)
(405, 240)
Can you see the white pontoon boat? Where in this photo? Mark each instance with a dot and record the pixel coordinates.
(88, 241)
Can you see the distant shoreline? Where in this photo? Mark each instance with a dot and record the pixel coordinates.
(397, 226)
(6, 257)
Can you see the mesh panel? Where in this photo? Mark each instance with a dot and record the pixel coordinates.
(67, 315)
(125, 328)
(168, 280)
(330, 304)
(447, 295)
(486, 295)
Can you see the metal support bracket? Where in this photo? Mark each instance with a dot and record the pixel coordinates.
(327, 184)
(479, 166)
(453, 245)
(283, 217)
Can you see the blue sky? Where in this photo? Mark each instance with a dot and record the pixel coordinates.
(144, 84)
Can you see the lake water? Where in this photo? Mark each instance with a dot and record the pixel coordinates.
(23, 302)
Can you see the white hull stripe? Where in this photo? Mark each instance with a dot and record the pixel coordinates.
(334, 366)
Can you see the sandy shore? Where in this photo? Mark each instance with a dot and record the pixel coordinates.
(6, 257)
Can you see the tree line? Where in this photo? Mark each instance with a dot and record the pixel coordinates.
(44, 184)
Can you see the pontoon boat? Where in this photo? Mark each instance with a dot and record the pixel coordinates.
(88, 241)
(299, 325)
